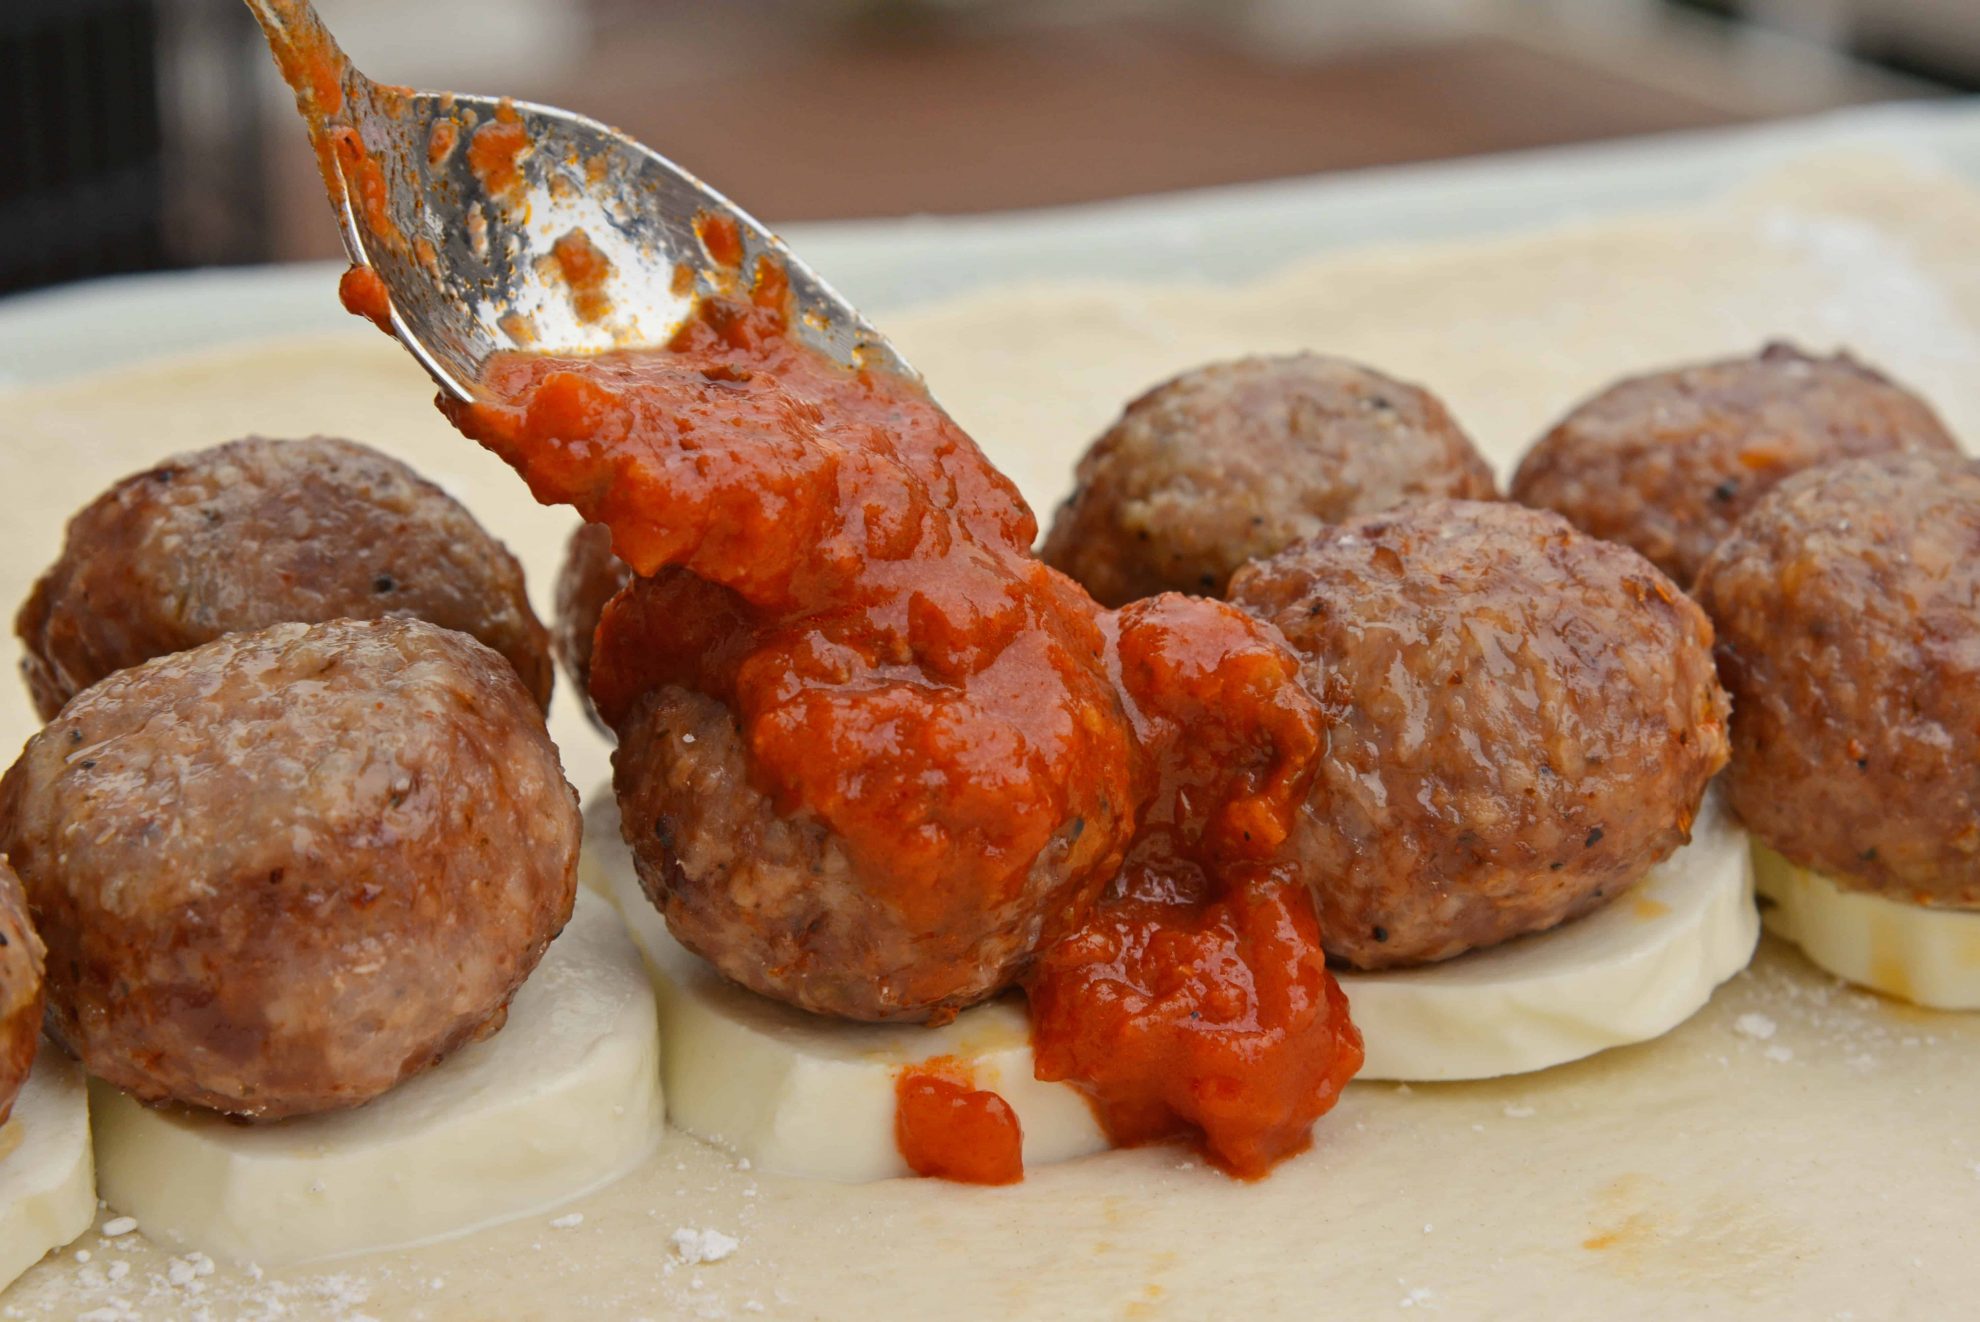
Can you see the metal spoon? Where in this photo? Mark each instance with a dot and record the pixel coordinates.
(471, 271)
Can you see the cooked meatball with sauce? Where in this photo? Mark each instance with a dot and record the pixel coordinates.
(20, 990)
(258, 532)
(284, 871)
(1524, 719)
(1848, 612)
(591, 576)
(1669, 462)
(776, 902)
(1237, 459)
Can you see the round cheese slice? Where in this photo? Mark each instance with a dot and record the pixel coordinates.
(1628, 972)
(798, 1094)
(1930, 957)
(564, 1099)
(47, 1185)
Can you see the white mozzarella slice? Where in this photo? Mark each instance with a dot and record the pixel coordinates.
(564, 1099)
(1930, 957)
(802, 1095)
(47, 1185)
(1628, 972)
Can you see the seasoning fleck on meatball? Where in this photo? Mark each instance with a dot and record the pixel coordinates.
(1848, 613)
(1236, 460)
(775, 901)
(284, 871)
(258, 532)
(590, 577)
(1669, 462)
(1523, 722)
(20, 990)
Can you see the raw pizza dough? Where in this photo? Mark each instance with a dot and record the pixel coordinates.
(1798, 1150)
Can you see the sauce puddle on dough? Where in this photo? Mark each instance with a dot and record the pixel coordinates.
(949, 1129)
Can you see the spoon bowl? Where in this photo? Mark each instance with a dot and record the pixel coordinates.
(497, 225)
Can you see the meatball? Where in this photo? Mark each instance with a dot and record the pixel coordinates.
(1523, 721)
(1669, 462)
(592, 575)
(1848, 612)
(20, 990)
(1235, 460)
(284, 871)
(775, 902)
(258, 532)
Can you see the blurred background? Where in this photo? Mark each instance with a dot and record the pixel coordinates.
(150, 134)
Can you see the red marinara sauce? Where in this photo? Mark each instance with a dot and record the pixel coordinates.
(835, 561)
(363, 293)
(586, 273)
(721, 239)
(829, 555)
(441, 140)
(948, 1129)
(495, 151)
(1195, 997)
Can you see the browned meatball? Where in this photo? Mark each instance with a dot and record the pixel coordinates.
(282, 872)
(20, 990)
(1235, 460)
(1848, 613)
(1524, 720)
(258, 532)
(591, 576)
(774, 902)
(1667, 463)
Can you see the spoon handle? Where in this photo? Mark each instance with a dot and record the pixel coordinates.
(312, 62)
(323, 80)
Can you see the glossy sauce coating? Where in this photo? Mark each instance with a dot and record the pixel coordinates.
(858, 594)
(1195, 997)
(980, 742)
(1182, 1015)
(950, 1130)
(777, 900)
(850, 578)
